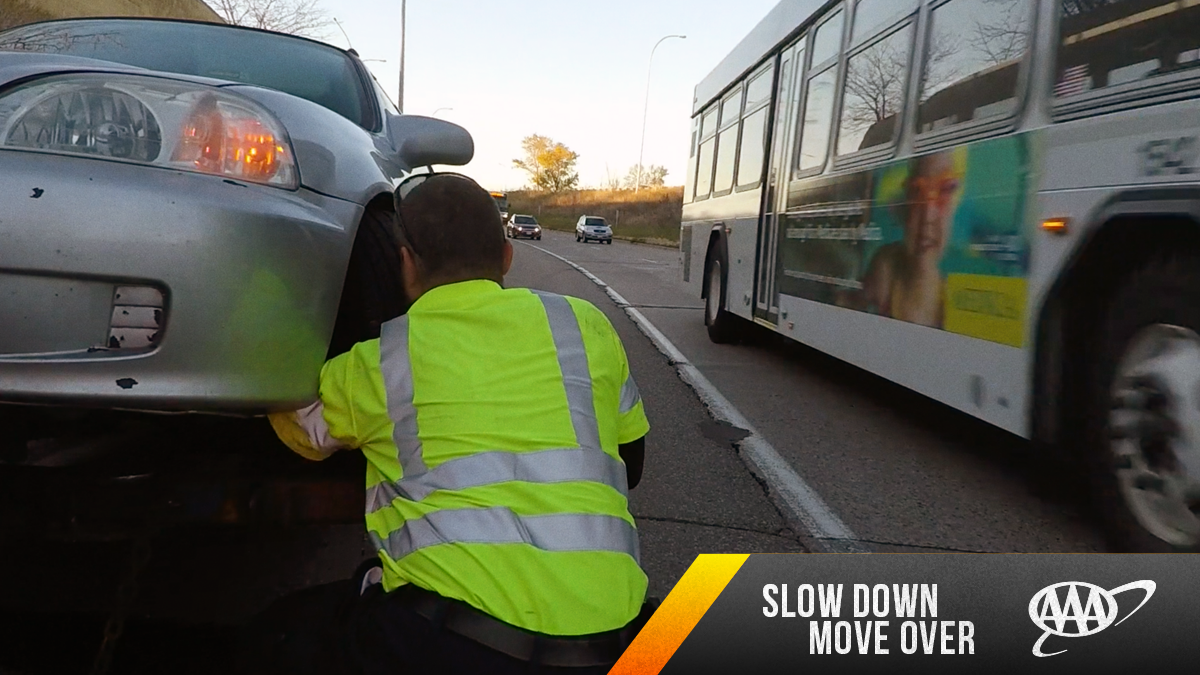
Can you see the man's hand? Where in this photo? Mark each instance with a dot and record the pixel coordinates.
(306, 433)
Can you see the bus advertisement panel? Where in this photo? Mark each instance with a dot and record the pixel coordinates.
(935, 240)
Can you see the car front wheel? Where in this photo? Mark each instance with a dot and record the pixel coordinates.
(373, 292)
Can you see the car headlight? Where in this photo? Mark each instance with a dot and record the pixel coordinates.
(152, 121)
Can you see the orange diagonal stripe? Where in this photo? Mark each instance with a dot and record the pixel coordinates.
(679, 614)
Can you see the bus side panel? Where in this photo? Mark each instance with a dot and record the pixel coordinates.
(1087, 163)
(693, 241)
(736, 218)
(742, 240)
(981, 378)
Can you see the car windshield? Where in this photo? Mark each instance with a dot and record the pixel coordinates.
(525, 220)
(595, 222)
(319, 73)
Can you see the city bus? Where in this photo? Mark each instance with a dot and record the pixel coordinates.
(995, 203)
(502, 204)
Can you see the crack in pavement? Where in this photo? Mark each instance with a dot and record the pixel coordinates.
(783, 533)
(949, 549)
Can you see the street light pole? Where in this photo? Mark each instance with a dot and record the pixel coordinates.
(646, 110)
(403, 48)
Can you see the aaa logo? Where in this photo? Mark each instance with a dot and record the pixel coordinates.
(1069, 615)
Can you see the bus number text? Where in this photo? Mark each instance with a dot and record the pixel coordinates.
(1170, 156)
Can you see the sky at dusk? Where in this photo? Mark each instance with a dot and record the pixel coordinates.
(573, 71)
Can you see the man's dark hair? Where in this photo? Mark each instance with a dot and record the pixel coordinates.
(454, 228)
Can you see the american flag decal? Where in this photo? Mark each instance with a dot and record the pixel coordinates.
(1074, 80)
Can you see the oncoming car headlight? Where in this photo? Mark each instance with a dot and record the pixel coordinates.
(153, 121)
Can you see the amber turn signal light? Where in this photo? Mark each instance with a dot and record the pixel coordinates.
(1056, 225)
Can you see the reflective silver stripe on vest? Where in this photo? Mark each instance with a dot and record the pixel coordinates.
(486, 468)
(396, 365)
(572, 360)
(557, 532)
(630, 396)
(587, 463)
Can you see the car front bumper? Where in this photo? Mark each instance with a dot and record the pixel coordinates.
(247, 280)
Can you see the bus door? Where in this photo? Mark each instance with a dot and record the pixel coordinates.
(766, 306)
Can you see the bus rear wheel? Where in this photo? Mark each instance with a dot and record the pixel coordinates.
(722, 326)
(1142, 424)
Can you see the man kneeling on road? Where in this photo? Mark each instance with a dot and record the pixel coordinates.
(502, 430)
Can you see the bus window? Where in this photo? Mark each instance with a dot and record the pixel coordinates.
(731, 113)
(1104, 44)
(709, 126)
(870, 15)
(973, 61)
(726, 153)
(704, 161)
(754, 129)
(758, 92)
(750, 160)
(689, 183)
(731, 109)
(828, 40)
(817, 119)
(704, 175)
(874, 93)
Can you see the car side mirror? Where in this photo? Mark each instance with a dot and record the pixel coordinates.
(425, 141)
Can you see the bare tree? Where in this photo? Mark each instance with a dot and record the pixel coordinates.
(1004, 38)
(1077, 7)
(941, 69)
(875, 80)
(611, 183)
(875, 85)
(651, 176)
(297, 17)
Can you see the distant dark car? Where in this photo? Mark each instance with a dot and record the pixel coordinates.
(524, 226)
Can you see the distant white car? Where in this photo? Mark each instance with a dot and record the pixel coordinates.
(593, 227)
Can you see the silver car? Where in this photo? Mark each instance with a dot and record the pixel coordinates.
(193, 216)
(590, 228)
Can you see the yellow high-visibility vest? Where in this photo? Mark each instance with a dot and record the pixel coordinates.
(490, 419)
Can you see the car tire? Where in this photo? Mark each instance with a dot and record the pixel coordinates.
(539, 238)
(1128, 418)
(373, 292)
(722, 326)
(608, 241)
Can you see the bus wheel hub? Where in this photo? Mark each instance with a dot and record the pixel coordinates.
(1155, 431)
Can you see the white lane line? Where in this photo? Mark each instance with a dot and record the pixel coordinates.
(801, 506)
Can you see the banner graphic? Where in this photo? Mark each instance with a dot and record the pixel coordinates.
(937, 240)
(927, 613)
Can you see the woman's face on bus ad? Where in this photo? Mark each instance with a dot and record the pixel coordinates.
(933, 195)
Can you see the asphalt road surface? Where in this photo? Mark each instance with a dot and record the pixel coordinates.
(901, 472)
